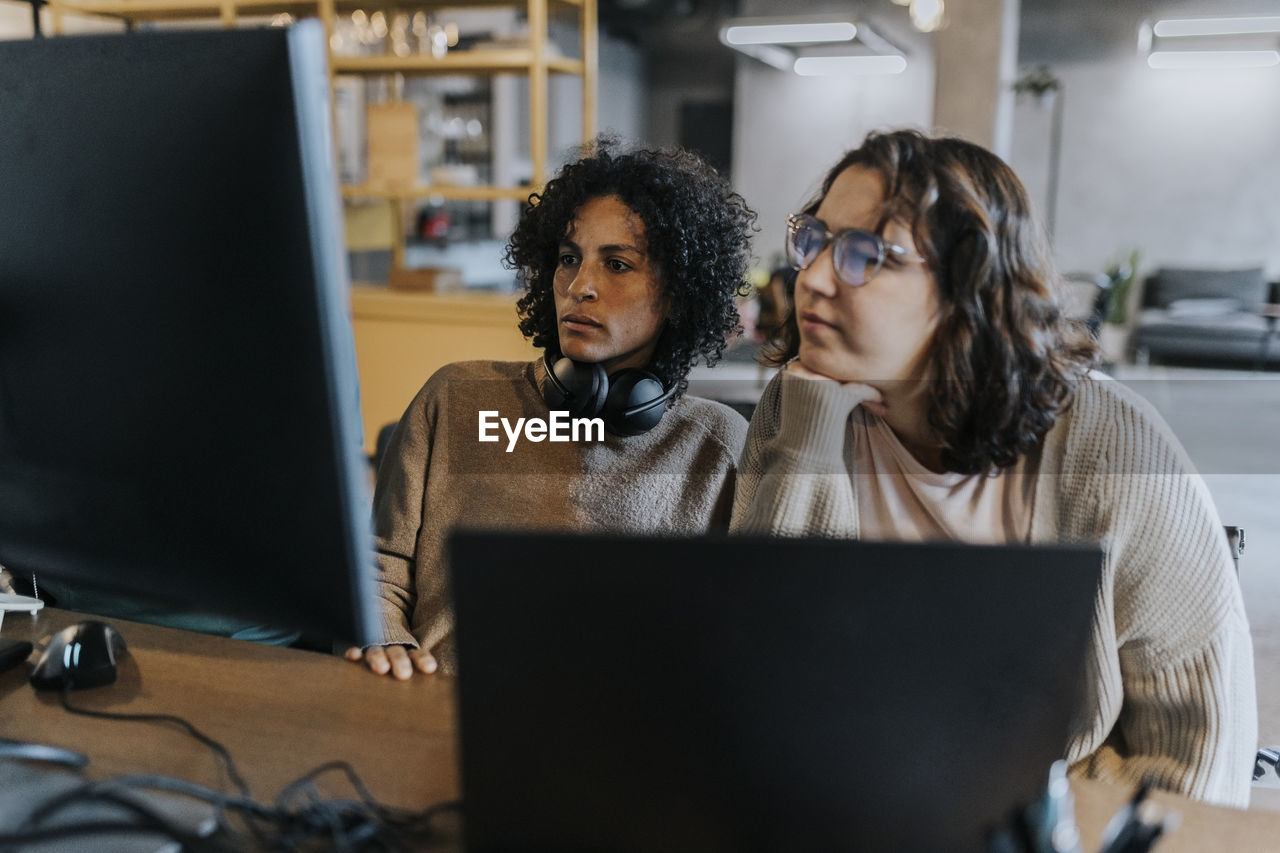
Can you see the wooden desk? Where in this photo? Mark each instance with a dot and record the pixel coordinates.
(281, 712)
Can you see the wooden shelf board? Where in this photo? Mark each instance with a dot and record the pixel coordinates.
(414, 5)
(460, 61)
(160, 10)
(566, 65)
(510, 61)
(476, 193)
(144, 10)
(176, 10)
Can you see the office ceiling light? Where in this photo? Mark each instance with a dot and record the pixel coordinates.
(843, 66)
(1145, 37)
(770, 54)
(927, 15)
(783, 33)
(1216, 27)
(1216, 59)
(813, 45)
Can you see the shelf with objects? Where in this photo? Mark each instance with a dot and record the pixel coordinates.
(478, 148)
(382, 49)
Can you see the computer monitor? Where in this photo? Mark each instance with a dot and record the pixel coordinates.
(630, 694)
(178, 401)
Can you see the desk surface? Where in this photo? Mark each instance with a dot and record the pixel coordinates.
(281, 712)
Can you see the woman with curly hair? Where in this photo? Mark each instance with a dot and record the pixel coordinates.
(932, 389)
(631, 262)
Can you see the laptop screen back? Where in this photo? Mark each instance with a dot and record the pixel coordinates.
(743, 694)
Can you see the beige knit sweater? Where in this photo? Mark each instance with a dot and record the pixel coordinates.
(677, 479)
(1171, 693)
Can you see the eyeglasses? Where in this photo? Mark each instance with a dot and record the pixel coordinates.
(856, 254)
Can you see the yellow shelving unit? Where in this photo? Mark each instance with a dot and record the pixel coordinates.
(532, 59)
(401, 337)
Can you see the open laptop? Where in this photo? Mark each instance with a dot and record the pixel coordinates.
(643, 694)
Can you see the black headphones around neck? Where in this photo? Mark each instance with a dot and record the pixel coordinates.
(631, 401)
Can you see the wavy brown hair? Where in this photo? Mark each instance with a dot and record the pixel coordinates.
(1005, 358)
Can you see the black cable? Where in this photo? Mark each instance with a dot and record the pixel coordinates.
(232, 773)
(74, 830)
(341, 825)
(138, 818)
(145, 819)
(300, 818)
(359, 822)
(192, 790)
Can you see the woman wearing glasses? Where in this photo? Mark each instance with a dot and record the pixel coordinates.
(932, 388)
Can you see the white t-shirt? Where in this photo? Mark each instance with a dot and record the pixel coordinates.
(901, 499)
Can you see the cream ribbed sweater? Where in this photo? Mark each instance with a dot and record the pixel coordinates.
(677, 479)
(1171, 683)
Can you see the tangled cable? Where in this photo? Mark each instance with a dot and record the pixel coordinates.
(301, 819)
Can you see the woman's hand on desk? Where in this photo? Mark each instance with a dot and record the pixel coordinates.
(398, 661)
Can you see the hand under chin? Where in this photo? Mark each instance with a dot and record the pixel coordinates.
(868, 396)
(819, 368)
(796, 367)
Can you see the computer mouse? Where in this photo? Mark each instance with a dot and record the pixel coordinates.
(82, 655)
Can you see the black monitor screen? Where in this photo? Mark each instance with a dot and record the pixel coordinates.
(178, 401)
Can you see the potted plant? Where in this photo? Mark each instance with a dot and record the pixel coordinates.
(1038, 82)
(1114, 334)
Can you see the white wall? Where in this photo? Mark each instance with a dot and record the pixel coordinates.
(788, 130)
(15, 20)
(1182, 165)
(621, 100)
(621, 105)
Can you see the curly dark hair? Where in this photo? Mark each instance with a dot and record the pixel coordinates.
(1005, 357)
(698, 232)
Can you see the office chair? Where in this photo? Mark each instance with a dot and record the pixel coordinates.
(1235, 539)
(1266, 766)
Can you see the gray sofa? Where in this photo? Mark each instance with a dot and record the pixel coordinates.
(1204, 316)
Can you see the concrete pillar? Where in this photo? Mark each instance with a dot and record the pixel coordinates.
(976, 57)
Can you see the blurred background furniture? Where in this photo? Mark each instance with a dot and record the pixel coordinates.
(1214, 316)
(1087, 297)
(1269, 313)
(403, 337)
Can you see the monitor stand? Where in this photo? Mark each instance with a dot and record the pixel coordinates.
(13, 652)
(9, 601)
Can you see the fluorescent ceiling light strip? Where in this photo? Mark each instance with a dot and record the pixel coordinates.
(1194, 59)
(770, 54)
(875, 43)
(791, 33)
(821, 66)
(1216, 26)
